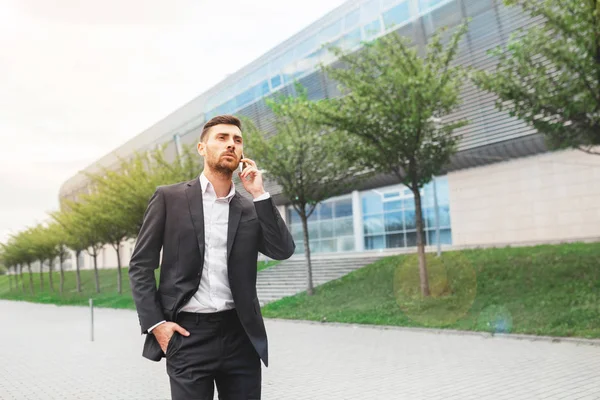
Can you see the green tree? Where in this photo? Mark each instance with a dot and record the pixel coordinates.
(81, 218)
(310, 165)
(43, 243)
(397, 104)
(58, 239)
(128, 187)
(6, 263)
(111, 225)
(30, 243)
(549, 75)
(69, 235)
(120, 196)
(22, 254)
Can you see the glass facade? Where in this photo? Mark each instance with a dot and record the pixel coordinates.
(362, 23)
(387, 219)
(330, 227)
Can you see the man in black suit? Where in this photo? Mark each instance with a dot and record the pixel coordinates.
(205, 318)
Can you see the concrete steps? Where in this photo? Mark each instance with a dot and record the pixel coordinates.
(289, 277)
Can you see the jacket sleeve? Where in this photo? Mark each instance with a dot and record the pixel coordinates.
(276, 241)
(145, 259)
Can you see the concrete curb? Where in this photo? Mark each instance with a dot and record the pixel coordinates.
(486, 335)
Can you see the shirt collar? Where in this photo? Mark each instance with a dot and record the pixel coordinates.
(208, 187)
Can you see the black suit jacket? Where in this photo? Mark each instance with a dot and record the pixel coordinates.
(174, 222)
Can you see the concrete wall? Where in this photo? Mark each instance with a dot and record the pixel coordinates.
(544, 198)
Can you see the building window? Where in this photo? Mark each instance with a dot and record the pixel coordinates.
(330, 227)
(425, 5)
(351, 19)
(276, 81)
(389, 219)
(396, 16)
(372, 29)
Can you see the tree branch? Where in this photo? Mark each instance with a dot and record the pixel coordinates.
(588, 150)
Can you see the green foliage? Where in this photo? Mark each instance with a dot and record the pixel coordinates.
(19, 249)
(262, 265)
(549, 75)
(396, 103)
(79, 220)
(309, 164)
(43, 242)
(121, 195)
(59, 240)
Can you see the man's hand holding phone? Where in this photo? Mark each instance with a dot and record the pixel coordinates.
(251, 177)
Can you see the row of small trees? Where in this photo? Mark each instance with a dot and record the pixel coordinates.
(393, 117)
(109, 214)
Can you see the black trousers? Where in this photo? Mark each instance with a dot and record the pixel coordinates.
(217, 351)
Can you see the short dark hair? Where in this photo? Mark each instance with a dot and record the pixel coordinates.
(218, 120)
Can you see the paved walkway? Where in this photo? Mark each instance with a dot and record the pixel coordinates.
(46, 353)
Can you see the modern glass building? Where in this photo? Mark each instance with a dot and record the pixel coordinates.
(375, 219)
(502, 187)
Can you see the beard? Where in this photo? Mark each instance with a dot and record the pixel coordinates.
(223, 166)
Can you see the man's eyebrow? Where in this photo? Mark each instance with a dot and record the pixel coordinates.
(228, 134)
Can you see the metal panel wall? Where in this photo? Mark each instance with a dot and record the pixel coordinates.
(491, 135)
(491, 25)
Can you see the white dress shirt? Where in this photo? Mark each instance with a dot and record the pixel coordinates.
(214, 293)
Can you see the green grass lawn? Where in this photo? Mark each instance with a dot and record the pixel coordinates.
(544, 290)
(108, 296)
(267, 264)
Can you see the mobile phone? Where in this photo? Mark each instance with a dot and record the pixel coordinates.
(243, 165)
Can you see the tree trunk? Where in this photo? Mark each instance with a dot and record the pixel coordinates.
(62, 274)
(42, 276)
(421, 242)
(309, 280)
(22, 280)
(96, 277)
(119, 278)
(77, 274)
(9, 279)
(30, 278)
(50, 278)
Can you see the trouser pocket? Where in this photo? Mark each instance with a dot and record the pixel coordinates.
(172, 344)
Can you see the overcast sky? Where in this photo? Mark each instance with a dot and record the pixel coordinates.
(78, 78)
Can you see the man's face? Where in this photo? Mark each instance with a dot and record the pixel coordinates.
(222, 148)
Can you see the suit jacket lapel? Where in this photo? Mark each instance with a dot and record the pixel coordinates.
(193, 191)
(235, 213)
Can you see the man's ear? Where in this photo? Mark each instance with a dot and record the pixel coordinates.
(202, 148)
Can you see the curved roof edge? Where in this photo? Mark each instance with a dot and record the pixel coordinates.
(192, 113)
